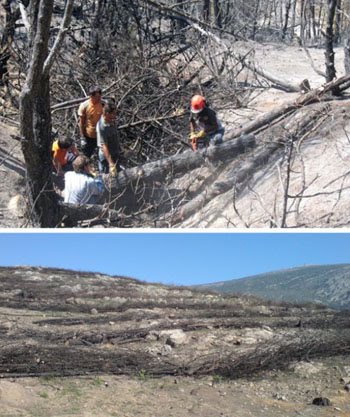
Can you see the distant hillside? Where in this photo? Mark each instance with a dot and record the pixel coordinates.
(326, 284)
(62, 322)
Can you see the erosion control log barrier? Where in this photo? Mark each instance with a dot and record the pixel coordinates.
(128, 184)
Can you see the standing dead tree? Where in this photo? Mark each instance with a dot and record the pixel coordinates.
(329, 53)
(6, 36)
(347, 52)
(35, 114)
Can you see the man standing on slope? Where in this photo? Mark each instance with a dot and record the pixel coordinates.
(109, 150)
(89, 113)
(206, 128)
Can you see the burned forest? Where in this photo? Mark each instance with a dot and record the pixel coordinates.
(275, 72)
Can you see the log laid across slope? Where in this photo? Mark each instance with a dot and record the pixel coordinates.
(175, 165)
(314, 96)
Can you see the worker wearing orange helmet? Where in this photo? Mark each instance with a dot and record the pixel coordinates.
(206, 128)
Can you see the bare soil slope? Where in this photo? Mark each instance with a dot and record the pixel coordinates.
(112, 346)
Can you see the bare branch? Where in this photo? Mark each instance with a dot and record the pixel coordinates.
(60, 37)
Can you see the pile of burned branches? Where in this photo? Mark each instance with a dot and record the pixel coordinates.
(278, 354)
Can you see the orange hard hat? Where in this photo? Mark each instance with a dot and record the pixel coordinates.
(197, 103)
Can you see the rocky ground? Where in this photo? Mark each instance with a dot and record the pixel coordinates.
(87, 344)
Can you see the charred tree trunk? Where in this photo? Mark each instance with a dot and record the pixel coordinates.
(312, 19)
(338, 20)
(35, 119)
(218, 14)
(329, 53)
(10, 19)
(347, 53)
(256, 18)
(35, 114)
(302, 21)
(286, 19)
(206, 10)
(292, 31)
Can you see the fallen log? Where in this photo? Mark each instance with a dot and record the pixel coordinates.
(167, 168)
(314, 96)
(73, 214)
(276, 83)
(238, 177)
(241, 174)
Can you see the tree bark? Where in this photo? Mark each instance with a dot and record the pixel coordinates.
(302, 21)
(338, 23)
(206, 11)
(6, 38)
(347, 53)
(255, 18)
(292, 31)
(218, 14)
(237, 178)
(35, 119)
(329, 53)
(286, 19)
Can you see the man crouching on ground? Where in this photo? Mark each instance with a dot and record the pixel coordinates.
(80, 186)
(109, 152)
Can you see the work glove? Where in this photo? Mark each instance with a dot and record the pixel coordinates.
(197, 135)
(113, 170)
(200, 134)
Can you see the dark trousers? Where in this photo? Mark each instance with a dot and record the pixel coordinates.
(88, 146)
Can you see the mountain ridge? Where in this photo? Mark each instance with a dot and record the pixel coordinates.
(327, 284)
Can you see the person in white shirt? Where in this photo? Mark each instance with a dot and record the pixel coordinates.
(80, 186)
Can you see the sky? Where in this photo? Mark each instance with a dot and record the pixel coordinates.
(175, 258)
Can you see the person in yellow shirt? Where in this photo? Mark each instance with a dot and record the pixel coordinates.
(89, 113)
